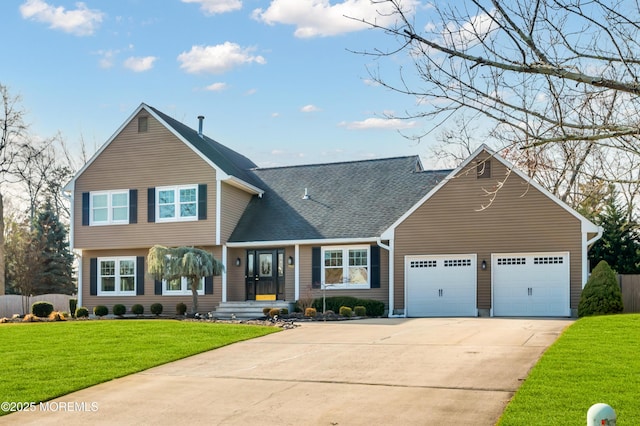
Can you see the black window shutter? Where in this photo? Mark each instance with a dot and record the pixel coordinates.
(151, 206)
(316, 267)
(157, 285)
(133, 206)
(202, 201)
(93, 276)
(85, 209)
(208, 285)
(140, 275)
(375, 267)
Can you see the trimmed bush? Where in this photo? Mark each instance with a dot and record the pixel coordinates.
(137, 309)
(273, 312)
(265, 311)
(360, 311)
(57, 316)
(82, 312)
(156, 309)
(374, 308)
(119, 310)
(181, 308)
(284, 311)
(100, 310)
(73, 305)
(345, 311)
(41, 309)
(601, 295)
(31, 318)
(310, 312)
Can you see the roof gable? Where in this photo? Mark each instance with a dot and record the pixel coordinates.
(230, 165)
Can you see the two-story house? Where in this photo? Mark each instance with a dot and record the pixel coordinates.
(420, 241)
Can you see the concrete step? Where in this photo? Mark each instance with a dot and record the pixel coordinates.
(249, 309)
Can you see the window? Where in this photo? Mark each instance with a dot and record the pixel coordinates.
(177, 203)
(180, 287)
(117, 276)
(109, 207)
(346, 267)
(483, 168)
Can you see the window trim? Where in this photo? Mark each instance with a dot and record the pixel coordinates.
(110, 220)
(345, 267)
(185, 290)
(176, 203)
(117, 291)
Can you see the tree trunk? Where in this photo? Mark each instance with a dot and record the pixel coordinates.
(2, 260)
(194, 294)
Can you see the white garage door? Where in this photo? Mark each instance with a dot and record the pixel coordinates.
(439, 286)
(530, 284)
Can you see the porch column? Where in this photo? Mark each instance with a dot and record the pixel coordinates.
(224, 273)
(296, 272)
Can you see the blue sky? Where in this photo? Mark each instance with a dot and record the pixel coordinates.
(275, 80)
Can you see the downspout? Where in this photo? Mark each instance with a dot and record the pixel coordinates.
(391, 251)
(585, 254)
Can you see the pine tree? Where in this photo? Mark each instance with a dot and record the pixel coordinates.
(57, 268)
(619, 245)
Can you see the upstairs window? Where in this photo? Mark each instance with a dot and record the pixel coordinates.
(177, 203)
(483, 168)
(143, 123)
(109, 207)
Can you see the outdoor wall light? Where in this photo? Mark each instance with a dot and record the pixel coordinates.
(483, 265)
(238, 261)
(290, 261)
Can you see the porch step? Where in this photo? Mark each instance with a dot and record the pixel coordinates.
(249, 309)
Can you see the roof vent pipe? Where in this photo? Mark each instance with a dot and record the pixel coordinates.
(200, 120)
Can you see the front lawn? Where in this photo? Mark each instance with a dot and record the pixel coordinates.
(597, 359)
(41, 361)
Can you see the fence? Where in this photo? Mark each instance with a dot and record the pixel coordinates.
(630, 286)
(11, 304)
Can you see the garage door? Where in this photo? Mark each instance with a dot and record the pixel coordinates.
(439, 286)
(531, 284)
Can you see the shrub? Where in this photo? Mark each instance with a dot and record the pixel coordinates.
(374, 308)
(273, 312)
(119, 310)
(310, 312)
(100, 310)
(265, 311)
(156, 309)
(284, 311)
(360, 311)
(31, 318)
(137, 309)
(601, 295)
(345, 311)
(82, 312)
(57, 316)
(303, 303)
(41, 309)
(181, 308)
(73, 305)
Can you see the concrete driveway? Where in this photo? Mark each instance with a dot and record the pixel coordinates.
(459, 371)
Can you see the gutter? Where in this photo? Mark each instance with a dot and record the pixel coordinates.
(596, 238)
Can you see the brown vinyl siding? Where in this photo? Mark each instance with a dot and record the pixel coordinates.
(461, 219)
(139, 161)
(234, 201)
(206, 302)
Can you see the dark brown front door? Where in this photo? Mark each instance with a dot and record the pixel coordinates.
(265, 274)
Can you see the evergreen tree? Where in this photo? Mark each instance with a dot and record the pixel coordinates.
(619, 245)
(57, 268)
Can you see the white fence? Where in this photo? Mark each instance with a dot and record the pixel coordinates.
(13, 303)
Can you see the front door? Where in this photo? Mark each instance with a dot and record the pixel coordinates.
(265, 274)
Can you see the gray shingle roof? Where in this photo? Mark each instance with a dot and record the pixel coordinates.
(357, 199)
(230, 161)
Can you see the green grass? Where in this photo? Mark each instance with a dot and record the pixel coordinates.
(41, 361)
(597, 359)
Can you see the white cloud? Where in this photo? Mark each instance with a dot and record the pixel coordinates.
(217, 59)
(217, 87)
(140, 64)
(107, 57)
(81, 21)
(212, 7)
(471, 32)
(309, 108)
(320, 18)
(379, 123)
